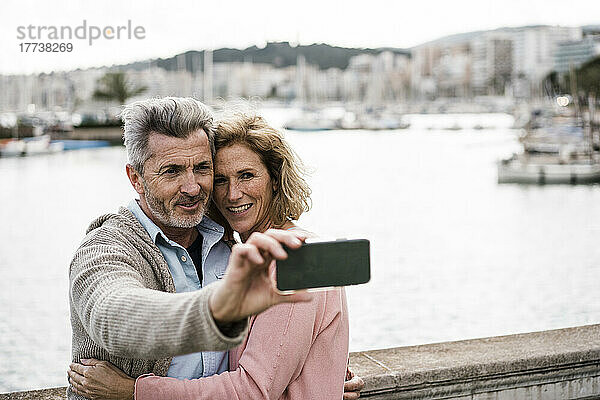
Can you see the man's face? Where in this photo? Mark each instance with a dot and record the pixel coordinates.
(177, 179)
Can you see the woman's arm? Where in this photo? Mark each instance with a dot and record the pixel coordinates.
(278, 346)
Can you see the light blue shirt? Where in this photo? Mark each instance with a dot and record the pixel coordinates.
(215, 255)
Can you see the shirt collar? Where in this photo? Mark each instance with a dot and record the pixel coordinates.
(207, 225)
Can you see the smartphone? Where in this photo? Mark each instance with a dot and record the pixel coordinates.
(325, 264)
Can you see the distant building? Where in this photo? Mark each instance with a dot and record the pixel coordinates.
(506, 61)
(424, 60)
(376, 78)
(55, 92)
(502, 62)
(576, 53)
(492, 63)
(534, 50)
(234, 80)
(442, 67)
(453, 71)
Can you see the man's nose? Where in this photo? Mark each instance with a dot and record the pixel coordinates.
(190, 185)
(234, 192)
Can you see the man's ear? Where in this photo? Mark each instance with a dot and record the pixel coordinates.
(135, 178)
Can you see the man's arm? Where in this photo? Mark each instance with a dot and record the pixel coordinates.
(127, 319)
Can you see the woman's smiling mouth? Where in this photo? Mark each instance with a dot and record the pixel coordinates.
(239, 209)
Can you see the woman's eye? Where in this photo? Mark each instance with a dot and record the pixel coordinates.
(219, 181)
(247, 175)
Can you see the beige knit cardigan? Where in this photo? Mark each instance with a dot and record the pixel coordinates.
(123, 306)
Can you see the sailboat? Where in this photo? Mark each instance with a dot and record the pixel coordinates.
(562, 152)
(38, 143)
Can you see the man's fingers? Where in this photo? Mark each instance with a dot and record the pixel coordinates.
(77, 382)
(291, 239)
(249, 252)
(351, 395)
(80, 369)
(80, 391)
(273, 273)
(73, 376)
(356, 383)
(89, 361)
(75, 389)
(269, 244)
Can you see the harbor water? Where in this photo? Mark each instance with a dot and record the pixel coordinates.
(454, 254)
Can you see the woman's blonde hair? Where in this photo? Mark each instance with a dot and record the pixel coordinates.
(291, 195)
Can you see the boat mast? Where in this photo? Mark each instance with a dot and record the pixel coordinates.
(587, 128)
(573, 87)
(208, 77)
(590, 125)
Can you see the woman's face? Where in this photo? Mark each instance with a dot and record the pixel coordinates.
(243, 190)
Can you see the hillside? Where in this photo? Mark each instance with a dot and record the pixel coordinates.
(280, 54)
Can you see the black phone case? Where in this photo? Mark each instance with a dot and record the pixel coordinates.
(325, 264)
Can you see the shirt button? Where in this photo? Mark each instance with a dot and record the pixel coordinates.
(183, 258)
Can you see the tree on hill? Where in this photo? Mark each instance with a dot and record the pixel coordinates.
(552, 85)
(279, 54)
(588, 78)
(114, 86)
(586, 82)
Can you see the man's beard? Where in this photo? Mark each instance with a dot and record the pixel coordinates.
(168, 217)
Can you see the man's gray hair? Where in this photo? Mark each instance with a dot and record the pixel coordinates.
(171, 116)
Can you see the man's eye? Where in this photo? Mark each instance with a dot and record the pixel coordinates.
(170, 171)
(201, 168)
(247, 175)
(219, 181)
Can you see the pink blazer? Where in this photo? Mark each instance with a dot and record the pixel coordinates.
(292, 351)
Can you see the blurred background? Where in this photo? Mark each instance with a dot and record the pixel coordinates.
(460, 137)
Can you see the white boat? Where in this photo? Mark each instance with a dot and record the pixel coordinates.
(41, 145)
(376, 123)
(311, 123)
(30, 146)
(563, 151)
(12, 148)
(547, 170)
(565, 134)
(322, 121)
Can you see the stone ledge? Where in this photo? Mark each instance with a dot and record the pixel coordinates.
(556, 364)
(57, 393)
(496, 364)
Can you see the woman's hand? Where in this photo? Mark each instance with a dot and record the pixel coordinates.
(352, 386)
(97, 379)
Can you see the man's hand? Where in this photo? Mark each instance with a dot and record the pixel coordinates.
(247, 287)
(95, 379)
(352, 386)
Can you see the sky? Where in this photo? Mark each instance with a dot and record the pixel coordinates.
(171, 27)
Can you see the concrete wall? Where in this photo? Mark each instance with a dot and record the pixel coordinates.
(58, 393)
(557, 364)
